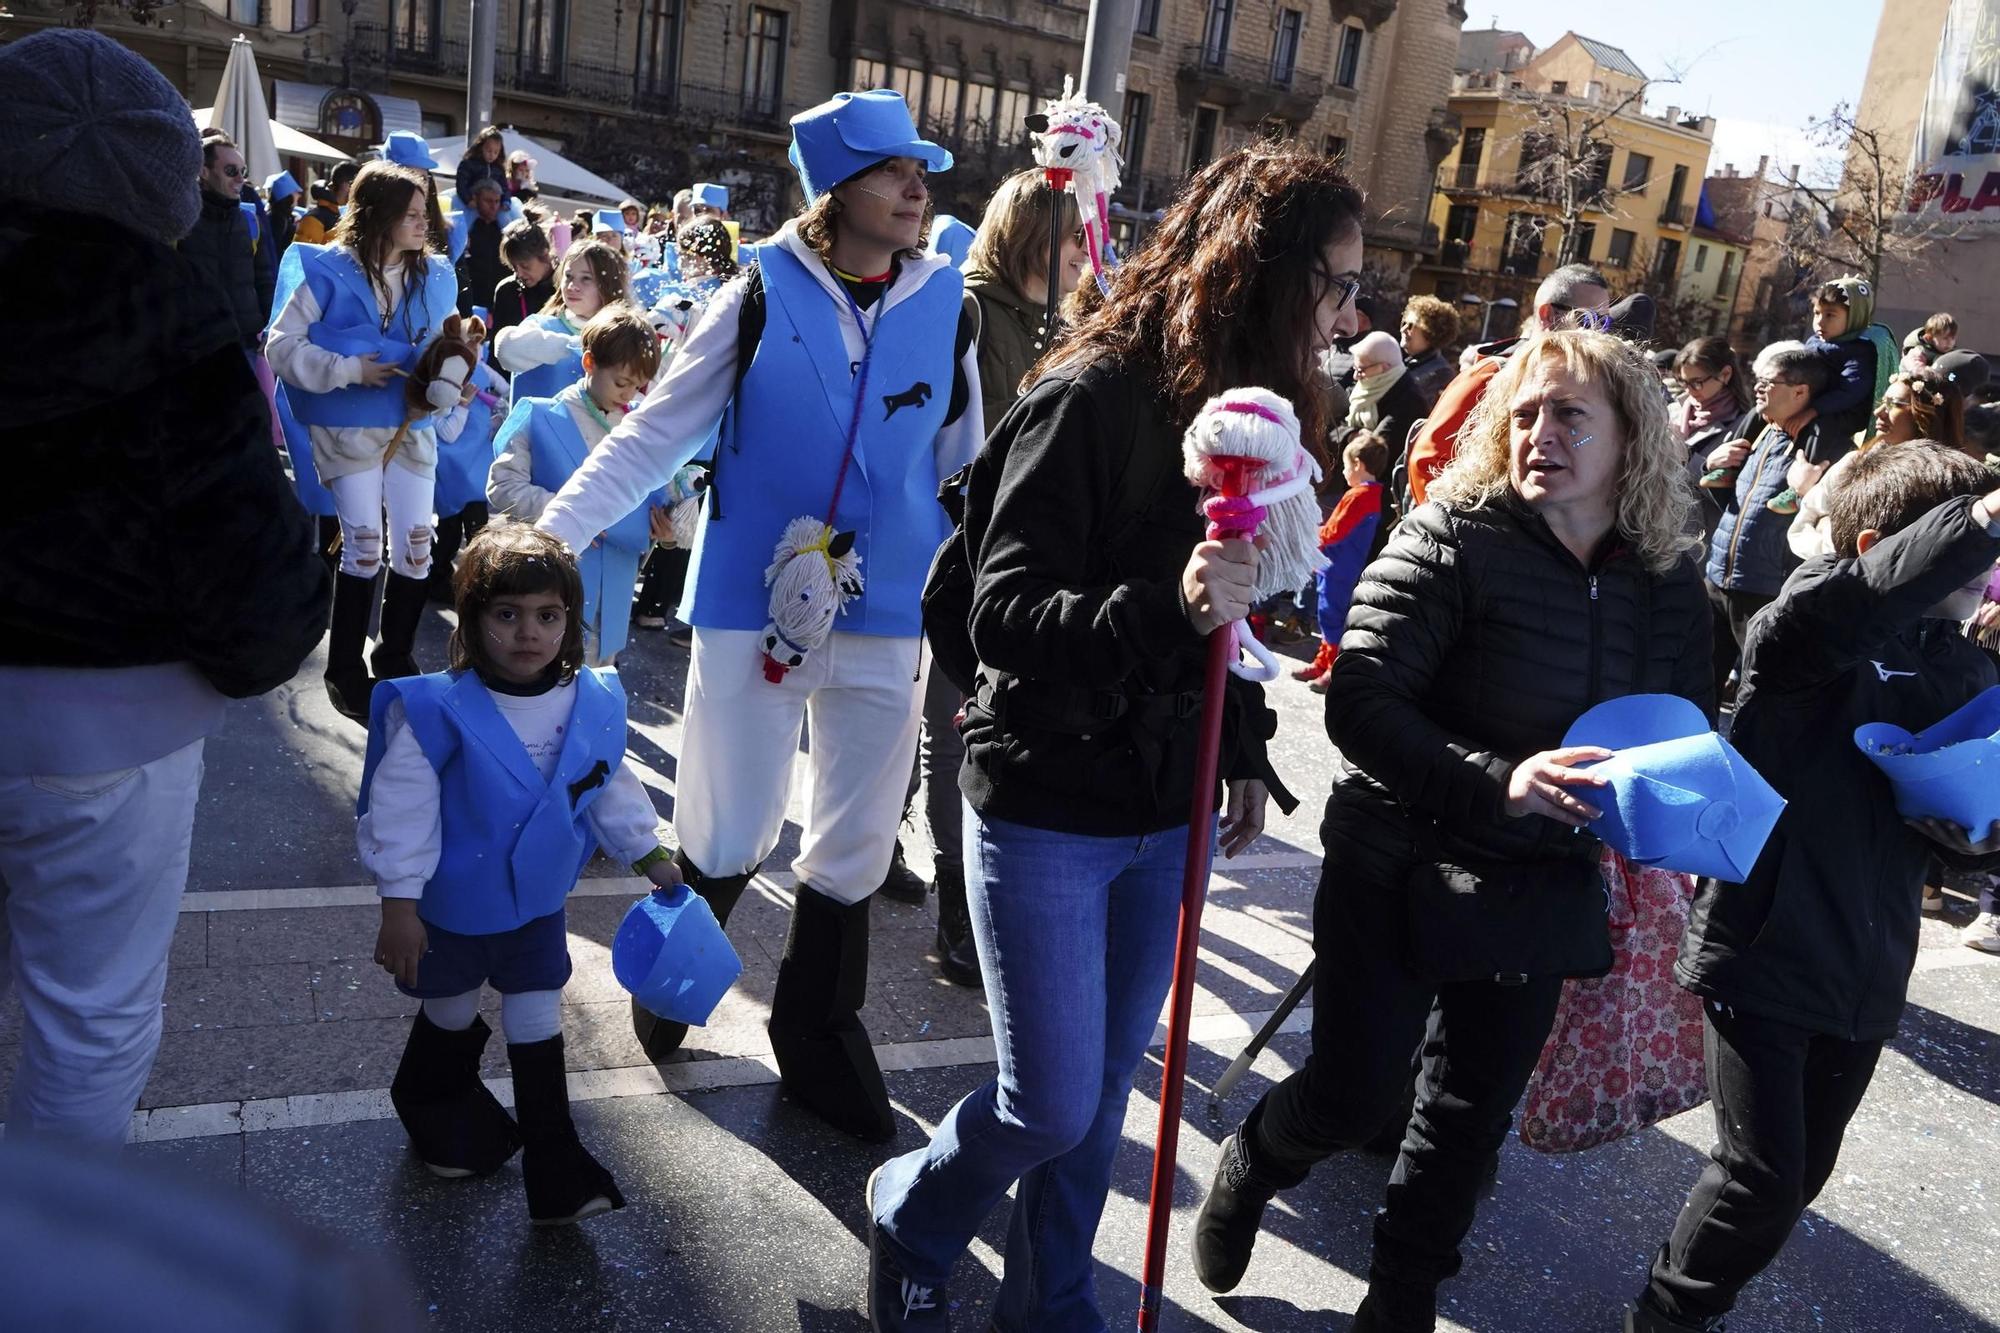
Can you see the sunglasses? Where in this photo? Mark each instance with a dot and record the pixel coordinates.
(1593, 321)
(231, 171)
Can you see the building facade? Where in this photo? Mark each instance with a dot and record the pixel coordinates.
(1559, 160)
(655, 93)
(1959, 271)
(1777, 224)
(1711, 275)
(650, 93)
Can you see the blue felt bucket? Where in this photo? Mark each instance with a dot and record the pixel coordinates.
(670, 952)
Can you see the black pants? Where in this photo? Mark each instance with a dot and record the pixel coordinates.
(1783, 1096)
(453, 532)
(1480, 1043)
(661, 584)
(1732, 612)
(940, 754)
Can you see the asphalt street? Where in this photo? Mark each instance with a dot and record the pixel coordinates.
(745, 1213)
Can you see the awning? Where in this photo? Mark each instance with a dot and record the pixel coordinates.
(288, 141)
(298, 105)
(554, 173)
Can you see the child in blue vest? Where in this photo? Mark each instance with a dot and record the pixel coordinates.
(545, 441)
(544, 353)
(1348, 538)
(353, 316)
(486, 790)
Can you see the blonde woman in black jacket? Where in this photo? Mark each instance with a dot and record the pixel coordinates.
(1553, 569)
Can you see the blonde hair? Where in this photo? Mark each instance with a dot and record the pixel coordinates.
(1655, 508)
(1012, 243)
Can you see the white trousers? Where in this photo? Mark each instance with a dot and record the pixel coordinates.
(360, 497)
(859, 701)
(92, 868)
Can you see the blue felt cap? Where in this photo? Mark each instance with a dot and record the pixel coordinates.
(1950, 770)
(672, 955)
(851, 133)
(280, 186)
(710, 195)
(407, 148)
(1680, 797)
(610, 219)
(952, 238)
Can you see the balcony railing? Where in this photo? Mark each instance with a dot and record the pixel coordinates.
(378, 47)
(1464, 176)
(1205, 61)
(1677, 215)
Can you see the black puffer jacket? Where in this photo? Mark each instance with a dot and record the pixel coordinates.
(221, 250)
(1473, 642)
(152, 521)
(1823, 931)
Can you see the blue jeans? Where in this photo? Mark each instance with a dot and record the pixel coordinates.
(1076, 940)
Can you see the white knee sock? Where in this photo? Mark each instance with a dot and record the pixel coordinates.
(531, 1016)
(454, 1013)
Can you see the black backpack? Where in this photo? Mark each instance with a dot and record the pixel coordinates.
(947, 595)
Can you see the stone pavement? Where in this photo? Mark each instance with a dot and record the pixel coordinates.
(744, 1213)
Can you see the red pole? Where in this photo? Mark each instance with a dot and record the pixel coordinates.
(1194, 891)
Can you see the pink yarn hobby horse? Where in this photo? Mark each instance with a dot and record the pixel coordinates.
(1243, 451)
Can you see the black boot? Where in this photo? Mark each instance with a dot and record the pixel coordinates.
(1643, 1318)
(348, 683)
(1395, 1307)
(902, 884)
(402, 612)
(661, 1037)
(824, 1057)
(958, 958)
(565, 1183)
(1225, 1230)
(456, 1125)
(451, 535)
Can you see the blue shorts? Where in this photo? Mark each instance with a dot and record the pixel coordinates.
(531, 957)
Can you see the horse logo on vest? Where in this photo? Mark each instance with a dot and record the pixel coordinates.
(916, 395)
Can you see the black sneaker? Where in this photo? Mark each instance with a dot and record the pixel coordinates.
(895, 1303)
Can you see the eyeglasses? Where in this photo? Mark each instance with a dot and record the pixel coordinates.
(1349, 288)
(1764, 383)
(232, 171)
(1594, 321)
(1694, 386)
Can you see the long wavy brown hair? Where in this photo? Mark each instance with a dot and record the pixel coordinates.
(1225, 291)
(381, 196)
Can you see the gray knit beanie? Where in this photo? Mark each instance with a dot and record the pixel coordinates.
(89, 127)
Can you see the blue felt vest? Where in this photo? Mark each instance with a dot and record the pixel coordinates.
(513, 845)
(298, 446)
(782, 449)
(462, 464)
(555, 451)
(350, 323)
(550, 380)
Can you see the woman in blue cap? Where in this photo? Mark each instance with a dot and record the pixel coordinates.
(846, 368)
(352, 318)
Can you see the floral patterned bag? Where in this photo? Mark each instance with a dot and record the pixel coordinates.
(1626, 1050)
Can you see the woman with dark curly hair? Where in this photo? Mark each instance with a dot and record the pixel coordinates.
(1093, 593)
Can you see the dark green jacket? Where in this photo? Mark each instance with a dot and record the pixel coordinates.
(1007, 338)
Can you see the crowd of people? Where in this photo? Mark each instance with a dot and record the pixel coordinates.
(569, 428)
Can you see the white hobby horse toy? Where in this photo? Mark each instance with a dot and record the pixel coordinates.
(1076, 146)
